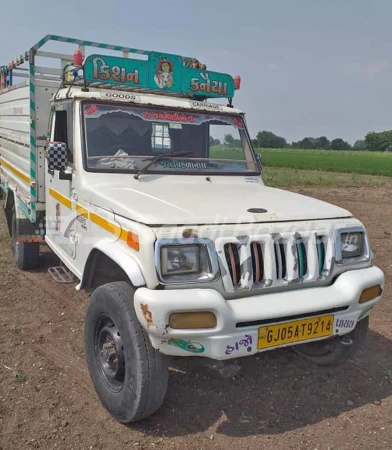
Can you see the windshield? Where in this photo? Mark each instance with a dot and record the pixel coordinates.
(121, 138)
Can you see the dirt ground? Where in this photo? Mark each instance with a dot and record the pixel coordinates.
(276, 402)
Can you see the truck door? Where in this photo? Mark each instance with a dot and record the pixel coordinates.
(60, 205)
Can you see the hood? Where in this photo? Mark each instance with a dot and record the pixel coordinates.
(180, 200)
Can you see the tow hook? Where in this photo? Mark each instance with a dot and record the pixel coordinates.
(346, 340)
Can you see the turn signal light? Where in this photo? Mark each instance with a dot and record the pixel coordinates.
(133, 241)
(192, 320)
(77, 58)
(237, 82)
(370, 293)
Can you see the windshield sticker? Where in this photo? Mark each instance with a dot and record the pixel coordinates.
(238, 122)
(96, 111)
(169, 117)
(91, 109)
(176, 164)
(175, 126)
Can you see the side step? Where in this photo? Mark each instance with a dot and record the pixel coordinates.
(61, 274)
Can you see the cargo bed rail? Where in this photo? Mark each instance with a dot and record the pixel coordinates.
(24, 71)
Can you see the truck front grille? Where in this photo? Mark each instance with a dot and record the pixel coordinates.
(280, 259)
(272, 260)
(257, 262)
(233, 262)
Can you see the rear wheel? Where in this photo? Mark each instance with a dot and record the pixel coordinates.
(130, 376)
(336, 350)
(26, 254)
(9, 208)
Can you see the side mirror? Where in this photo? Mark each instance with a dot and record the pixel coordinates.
(57, 156)
(259, 160)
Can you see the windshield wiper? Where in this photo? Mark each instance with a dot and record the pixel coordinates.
(158, 158)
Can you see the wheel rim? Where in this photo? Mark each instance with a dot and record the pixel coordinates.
(109, 353)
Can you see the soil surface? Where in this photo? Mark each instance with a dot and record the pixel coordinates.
(277, 401)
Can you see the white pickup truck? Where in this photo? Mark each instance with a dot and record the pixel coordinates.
(117, 165)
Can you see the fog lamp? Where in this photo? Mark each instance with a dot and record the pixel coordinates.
(192, 320)
(370, 293)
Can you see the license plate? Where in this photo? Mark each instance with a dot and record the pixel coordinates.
(298, 331)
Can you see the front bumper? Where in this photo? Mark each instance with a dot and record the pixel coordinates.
(233, 336)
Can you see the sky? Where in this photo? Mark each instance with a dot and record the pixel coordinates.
(308, 68)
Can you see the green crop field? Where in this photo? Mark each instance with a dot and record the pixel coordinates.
(372, 163)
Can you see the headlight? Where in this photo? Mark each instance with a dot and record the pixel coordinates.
(352, 246)
(183, 262)
(180, 259)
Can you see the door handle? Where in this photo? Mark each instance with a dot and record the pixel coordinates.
(65, 176)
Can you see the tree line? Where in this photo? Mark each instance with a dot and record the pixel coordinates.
(379, 142)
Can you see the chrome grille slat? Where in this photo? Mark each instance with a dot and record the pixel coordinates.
(245, 267)
(292, 259)
(302, 255)
(269, 261)
(233, 262)
(329, 255)
(257, 262)
(278, 260)
(313, 266)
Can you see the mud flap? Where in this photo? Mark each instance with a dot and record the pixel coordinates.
(27, 231)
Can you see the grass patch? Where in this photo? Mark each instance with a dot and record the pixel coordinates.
(19, 376)
(232, 153)
(286, 177)
(372, 163)
(365, 163)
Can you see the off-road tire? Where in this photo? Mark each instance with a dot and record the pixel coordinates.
(26, 254)
(331, 352)
(145, 375)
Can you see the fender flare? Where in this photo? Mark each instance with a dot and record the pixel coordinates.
(125, 261)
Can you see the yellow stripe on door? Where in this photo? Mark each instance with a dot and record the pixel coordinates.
(61, 198)
(81, 211)
(111, 227)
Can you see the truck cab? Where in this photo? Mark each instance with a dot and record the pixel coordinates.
(151, 194)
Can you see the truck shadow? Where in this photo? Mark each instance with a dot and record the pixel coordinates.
(274, 393)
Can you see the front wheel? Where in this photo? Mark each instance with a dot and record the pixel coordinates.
(336, 350)
(130, 376)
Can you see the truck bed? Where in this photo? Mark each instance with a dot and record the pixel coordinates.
(22, 165)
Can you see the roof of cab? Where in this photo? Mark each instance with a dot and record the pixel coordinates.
(132, 97)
